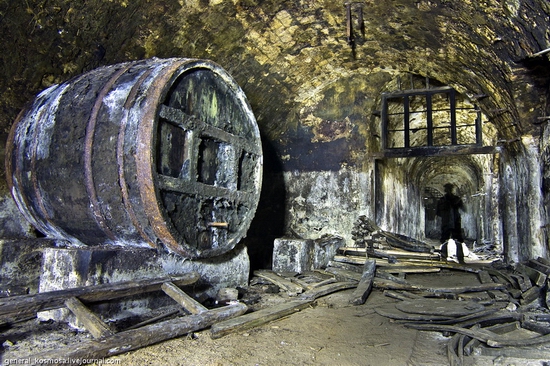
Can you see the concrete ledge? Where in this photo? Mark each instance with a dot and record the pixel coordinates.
(74, 267)
(21, 264)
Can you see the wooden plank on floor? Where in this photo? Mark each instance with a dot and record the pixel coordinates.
(348, 266)
(342, 274)
(292, 289)
(364, 287)
(397, 253)
(327, 289)
(491, 338)
(386, 285)
(484, 277)
(408, 269)
(257, 318)
(351, 259)
(454, 350)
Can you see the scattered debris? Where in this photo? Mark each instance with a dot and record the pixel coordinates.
(108, 342)
(366, 232)
(504, 309)
(501, 311)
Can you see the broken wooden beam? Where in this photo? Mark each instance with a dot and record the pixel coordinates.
(397, 268)
(470, 288)
(438, 290)
(455, 350)
(391, 312)
(356, 251)
(303, 284)
(365, 226)
(535, 327)
(538, 278)
(364, 287)
(388, 276)
(504, 277)
(484, 277)
(28, 305)
(402, 254)
(342, 274)
(492, 339)
(439, 307)
(322, 283)
(470, 317)
(257, 318)
(351, 259)
(496, 295)
(499, 295)
(137, 338)
(382, 284)
(539, 266)
(327, 289)
(346, 275)
(411, 263)
(348, 266)
(525, 353)
(524, 282)
(498, 317)
(401, 295)
(502, 328)
(531, 295)
(284, 284)
(481, 297)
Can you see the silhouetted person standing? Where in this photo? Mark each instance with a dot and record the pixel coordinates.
(448, 209)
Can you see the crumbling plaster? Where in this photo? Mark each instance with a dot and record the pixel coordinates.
(314, 94)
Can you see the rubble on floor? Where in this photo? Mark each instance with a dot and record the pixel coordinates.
(503, 311)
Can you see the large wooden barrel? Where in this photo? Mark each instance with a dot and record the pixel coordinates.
(159, 152)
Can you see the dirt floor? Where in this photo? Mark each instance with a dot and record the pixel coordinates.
(329, 332)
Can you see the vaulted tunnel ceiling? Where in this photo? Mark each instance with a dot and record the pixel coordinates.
(464, 172)
(288, 56)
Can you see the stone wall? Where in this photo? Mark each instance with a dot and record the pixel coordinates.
(523, 211)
